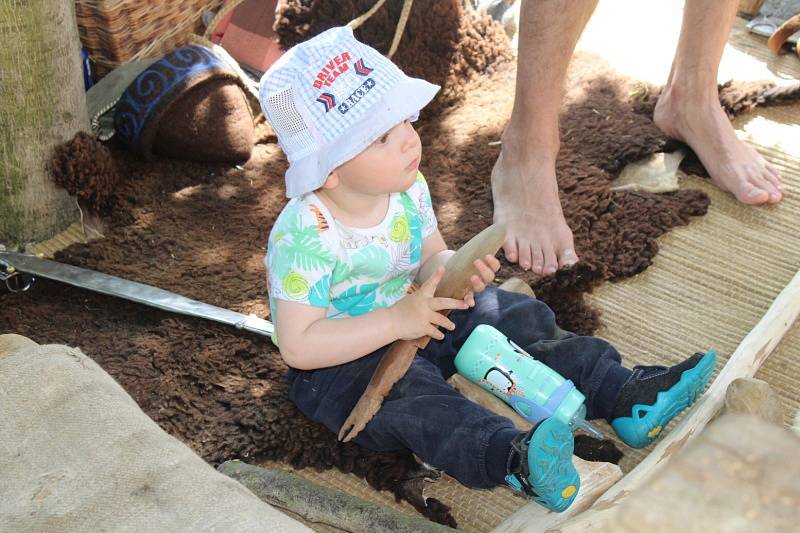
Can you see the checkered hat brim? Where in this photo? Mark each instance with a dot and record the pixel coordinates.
(329, 98)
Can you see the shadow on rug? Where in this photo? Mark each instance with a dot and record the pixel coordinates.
(199, 230)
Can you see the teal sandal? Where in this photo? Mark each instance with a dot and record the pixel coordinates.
(645, 422)
(545, 471)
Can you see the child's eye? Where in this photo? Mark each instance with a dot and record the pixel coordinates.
(383, 139)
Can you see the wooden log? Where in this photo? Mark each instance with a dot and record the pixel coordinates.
(43, 105)
(485, 398)
(744, 362)
(321, 505)
(754, 397)
(782, 34)
(596, 477)
(750, 8)
(395, 362)
(456, 281)
(517, 285)
(740, 474)
(796, 423)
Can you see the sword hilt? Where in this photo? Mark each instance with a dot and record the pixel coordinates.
(15, 280)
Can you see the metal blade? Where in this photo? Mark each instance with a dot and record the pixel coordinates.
(132, 290)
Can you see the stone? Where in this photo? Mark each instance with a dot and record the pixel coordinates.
(754, 397)
(740, 475)
(657, 173)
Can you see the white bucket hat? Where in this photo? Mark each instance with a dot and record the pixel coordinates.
(329, 98)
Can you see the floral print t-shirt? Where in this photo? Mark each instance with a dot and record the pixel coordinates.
(315, 260)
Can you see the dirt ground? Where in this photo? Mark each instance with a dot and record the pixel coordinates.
(200, 230)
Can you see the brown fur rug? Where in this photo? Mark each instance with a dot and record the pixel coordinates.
(199, 230)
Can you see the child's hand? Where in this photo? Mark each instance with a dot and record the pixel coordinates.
(487, 268)
(416, 315)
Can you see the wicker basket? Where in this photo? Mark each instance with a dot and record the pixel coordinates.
(117, 31)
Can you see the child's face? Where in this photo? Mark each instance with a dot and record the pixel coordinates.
(387, 165)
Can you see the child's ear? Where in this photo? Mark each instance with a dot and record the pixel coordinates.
(332, 181)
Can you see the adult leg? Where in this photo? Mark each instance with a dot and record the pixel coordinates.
(689, 108)
(524, 185)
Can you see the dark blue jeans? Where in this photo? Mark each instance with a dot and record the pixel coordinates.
(425, 414)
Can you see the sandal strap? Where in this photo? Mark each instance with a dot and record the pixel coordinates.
(519, 469)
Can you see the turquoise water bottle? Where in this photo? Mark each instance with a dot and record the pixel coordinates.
(534, 390)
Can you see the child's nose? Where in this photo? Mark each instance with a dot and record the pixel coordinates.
(410, 138)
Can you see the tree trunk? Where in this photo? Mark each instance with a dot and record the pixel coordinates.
(322, 505)
(42, 103)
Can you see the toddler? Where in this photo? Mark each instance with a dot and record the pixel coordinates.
(358, 234)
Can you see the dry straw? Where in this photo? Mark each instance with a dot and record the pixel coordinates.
(117, 31)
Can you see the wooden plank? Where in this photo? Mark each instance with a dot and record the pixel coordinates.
(395, 362)
(724, 480)
(596, 477)
(482, 397)
(324, 506)
(750, 8)
(744, 362)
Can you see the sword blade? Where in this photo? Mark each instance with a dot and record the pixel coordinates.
(133, 291)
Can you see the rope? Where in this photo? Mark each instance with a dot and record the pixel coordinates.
(229, 6)
(401, 24)
(200, 39)
(779, 95)
(356, 22)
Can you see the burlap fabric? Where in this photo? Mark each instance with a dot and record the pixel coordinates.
(77, 454)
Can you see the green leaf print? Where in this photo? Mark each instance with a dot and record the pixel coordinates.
(290, 223)
(381, 305)
(395, 287)
(414, 227)
(306, 251)
(320, 292)
(356, 300)
(341, 272)
(371, 262)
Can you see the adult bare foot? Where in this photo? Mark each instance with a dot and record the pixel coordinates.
(526, 200)
(733, 165)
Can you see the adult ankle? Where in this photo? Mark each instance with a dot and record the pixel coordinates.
(529, 158)
(530, 143)
(680, 94)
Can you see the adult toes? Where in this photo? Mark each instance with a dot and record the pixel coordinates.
(567, 257)
(775, 196)
(748, 193)
(550, 260)
(510, 249)
(524, 254)
(774, 175)
(764, 183)
(537, 258)
(771, 177)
